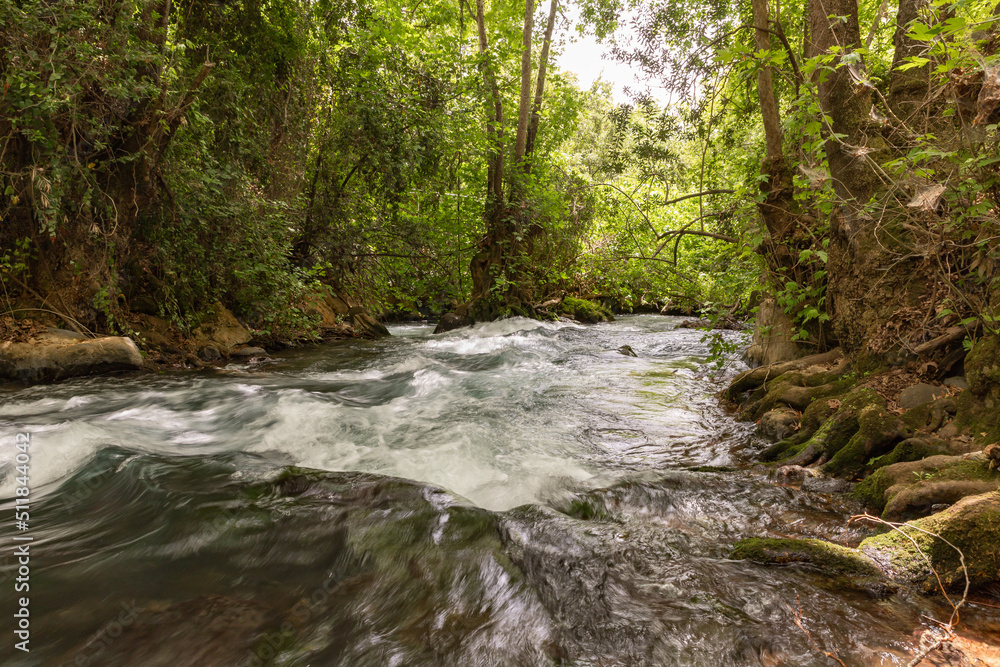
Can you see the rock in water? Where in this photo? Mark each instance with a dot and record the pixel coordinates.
(972, 525)
(209, 353)
(627, 351)
(779, 423)
(451, 321)
(366, 325)
(221, 329)
(248, 353)
(52, 356)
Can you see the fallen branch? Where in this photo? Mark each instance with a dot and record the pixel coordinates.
(951, 335)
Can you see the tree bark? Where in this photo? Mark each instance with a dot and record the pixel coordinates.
(765, 85)
(494, 116)
(520, 139)
(908, 88)
(536, 108)
(846, 96)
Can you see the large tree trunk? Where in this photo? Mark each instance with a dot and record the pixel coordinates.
(524, 108)
(908, 88)
(494, 116)
(536, 107)
(861, 294)
(846, 96)
(778, 210)
(501, 269)
(765, 86)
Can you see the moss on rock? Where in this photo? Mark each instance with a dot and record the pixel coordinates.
(872, 490)
(982, 365)
(831, 558)
(972, 525)
(585, 311)
(877, 429)
(778, 450)
(912, 489)
(979, 415)
(911, 449)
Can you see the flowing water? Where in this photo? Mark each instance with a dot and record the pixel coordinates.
(518, 493)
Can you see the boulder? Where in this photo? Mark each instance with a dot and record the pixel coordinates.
(779, 423)
(330, 309)
(366, 325)
(248, 353)
(972, 526)
(209, 353)
(957, 381)
(59, 354)
(450, 322)
(220, 328)
(920, 393)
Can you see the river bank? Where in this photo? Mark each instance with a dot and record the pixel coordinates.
(919, 452)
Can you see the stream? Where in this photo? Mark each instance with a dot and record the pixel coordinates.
(517, 493)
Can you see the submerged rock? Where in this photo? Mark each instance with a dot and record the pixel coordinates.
(832, 558)
(216, 630)
(56, 356)
(450, 322)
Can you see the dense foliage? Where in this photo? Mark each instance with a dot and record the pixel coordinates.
(160, 156)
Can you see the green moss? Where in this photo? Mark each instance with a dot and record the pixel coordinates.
(979, 415)
(849, 462)
(871, 490)
(982, 365)
(777, 451)
(585, 311)
(965, 470)
(831, 558)
(972, 525)
(912, 449)
(813, 417)
(876, 428)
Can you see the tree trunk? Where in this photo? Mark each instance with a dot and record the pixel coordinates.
(536, 108)
(765, 86)
(523, 111)
(494, 116)
(908, 88)
(778, 210)
(846, 96)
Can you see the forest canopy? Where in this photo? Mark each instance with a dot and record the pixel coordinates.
(158, 157)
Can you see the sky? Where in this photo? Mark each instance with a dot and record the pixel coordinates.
(584, 57)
